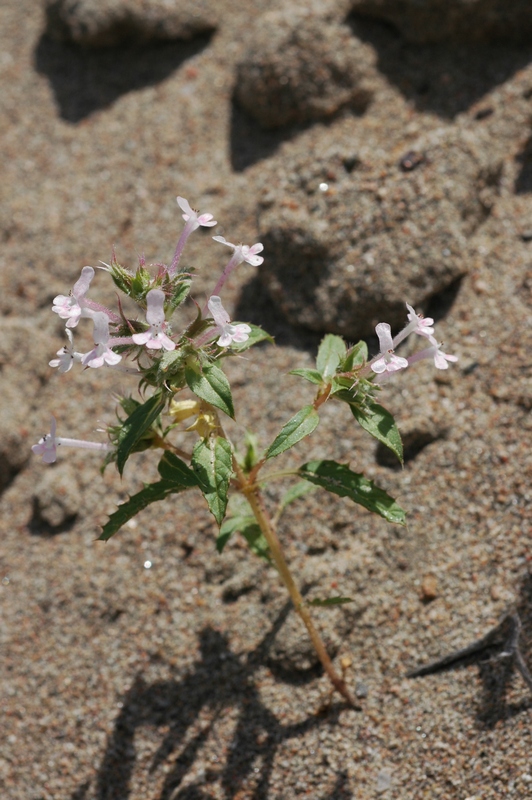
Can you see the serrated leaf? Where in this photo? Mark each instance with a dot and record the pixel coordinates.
(248, 528)
(330, 353)
(311, 375)
(377, 421)
(340, 480)
(150, 494)
(301, 425)
(135, 426)
(175, 471)
(330, 601)
(211, 385)
(356, 356)
(212, 462)
(256, 335)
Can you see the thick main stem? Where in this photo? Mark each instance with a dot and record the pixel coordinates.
(254, 499)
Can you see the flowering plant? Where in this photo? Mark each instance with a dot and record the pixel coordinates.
(167, 363)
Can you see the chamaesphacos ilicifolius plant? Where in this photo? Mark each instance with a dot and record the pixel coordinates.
(181, 380)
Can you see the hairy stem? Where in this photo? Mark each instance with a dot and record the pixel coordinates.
(254, 498)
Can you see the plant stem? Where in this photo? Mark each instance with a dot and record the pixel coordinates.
(254, 498)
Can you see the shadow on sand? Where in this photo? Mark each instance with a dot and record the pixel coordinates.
(220, 680)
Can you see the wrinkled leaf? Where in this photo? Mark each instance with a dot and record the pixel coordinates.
(377, 421)
(311, 375)
(340, 480)
(211, 385)
(150, 494)
(356, 357)
(301, 425)
(135, 426)
(331, 601)
(175, 471)
(212, 461)
(330, 353)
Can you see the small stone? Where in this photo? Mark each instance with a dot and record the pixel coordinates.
(429, 588)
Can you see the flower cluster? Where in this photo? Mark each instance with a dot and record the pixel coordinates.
(168, 361)
(117, 338)
(387, 362)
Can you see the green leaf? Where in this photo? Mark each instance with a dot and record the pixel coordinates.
(311, 375)
(257, 335)
(356, 357)
(294, 493)
(212, 461)
(331, 351)
(331, 601)
(231, 526)
(304, 422)
(252, 452)
(340, 480)
(211, 385)
(377, 421)
(135, 426)
(180, 292)
(150, 494)
(175, 471)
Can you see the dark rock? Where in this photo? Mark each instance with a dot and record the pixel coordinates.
(435, 20)
(346, 255)
(302, 67)
(105, 23)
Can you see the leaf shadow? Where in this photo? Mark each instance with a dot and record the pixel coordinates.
(86, 80)
(220, 680)
(505, 649)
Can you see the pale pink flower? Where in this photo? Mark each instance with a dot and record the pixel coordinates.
(230, 332)
(48, 444)
(155, 338)
(71, 307)
(244, 253)
(386, 361)
(102, 353)
(417, 323)
(193, 220)
(441, 359)
(67, 355)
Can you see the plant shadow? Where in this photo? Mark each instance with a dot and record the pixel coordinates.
(86, 80)
(503, 651)
(445, 78)
(219, 681)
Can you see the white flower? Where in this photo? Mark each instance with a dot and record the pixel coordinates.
(387, 361)
(71, 307)
(230, 332)
(244, 253)
(193, 218)
(155, 338)
(67, 355)
(48, 444)
(102, 353)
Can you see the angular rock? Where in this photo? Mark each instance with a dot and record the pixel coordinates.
(105, 23)
(346, 255)
(435, 20)
(301, 67)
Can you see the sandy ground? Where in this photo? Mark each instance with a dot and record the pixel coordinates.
(190, 678)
